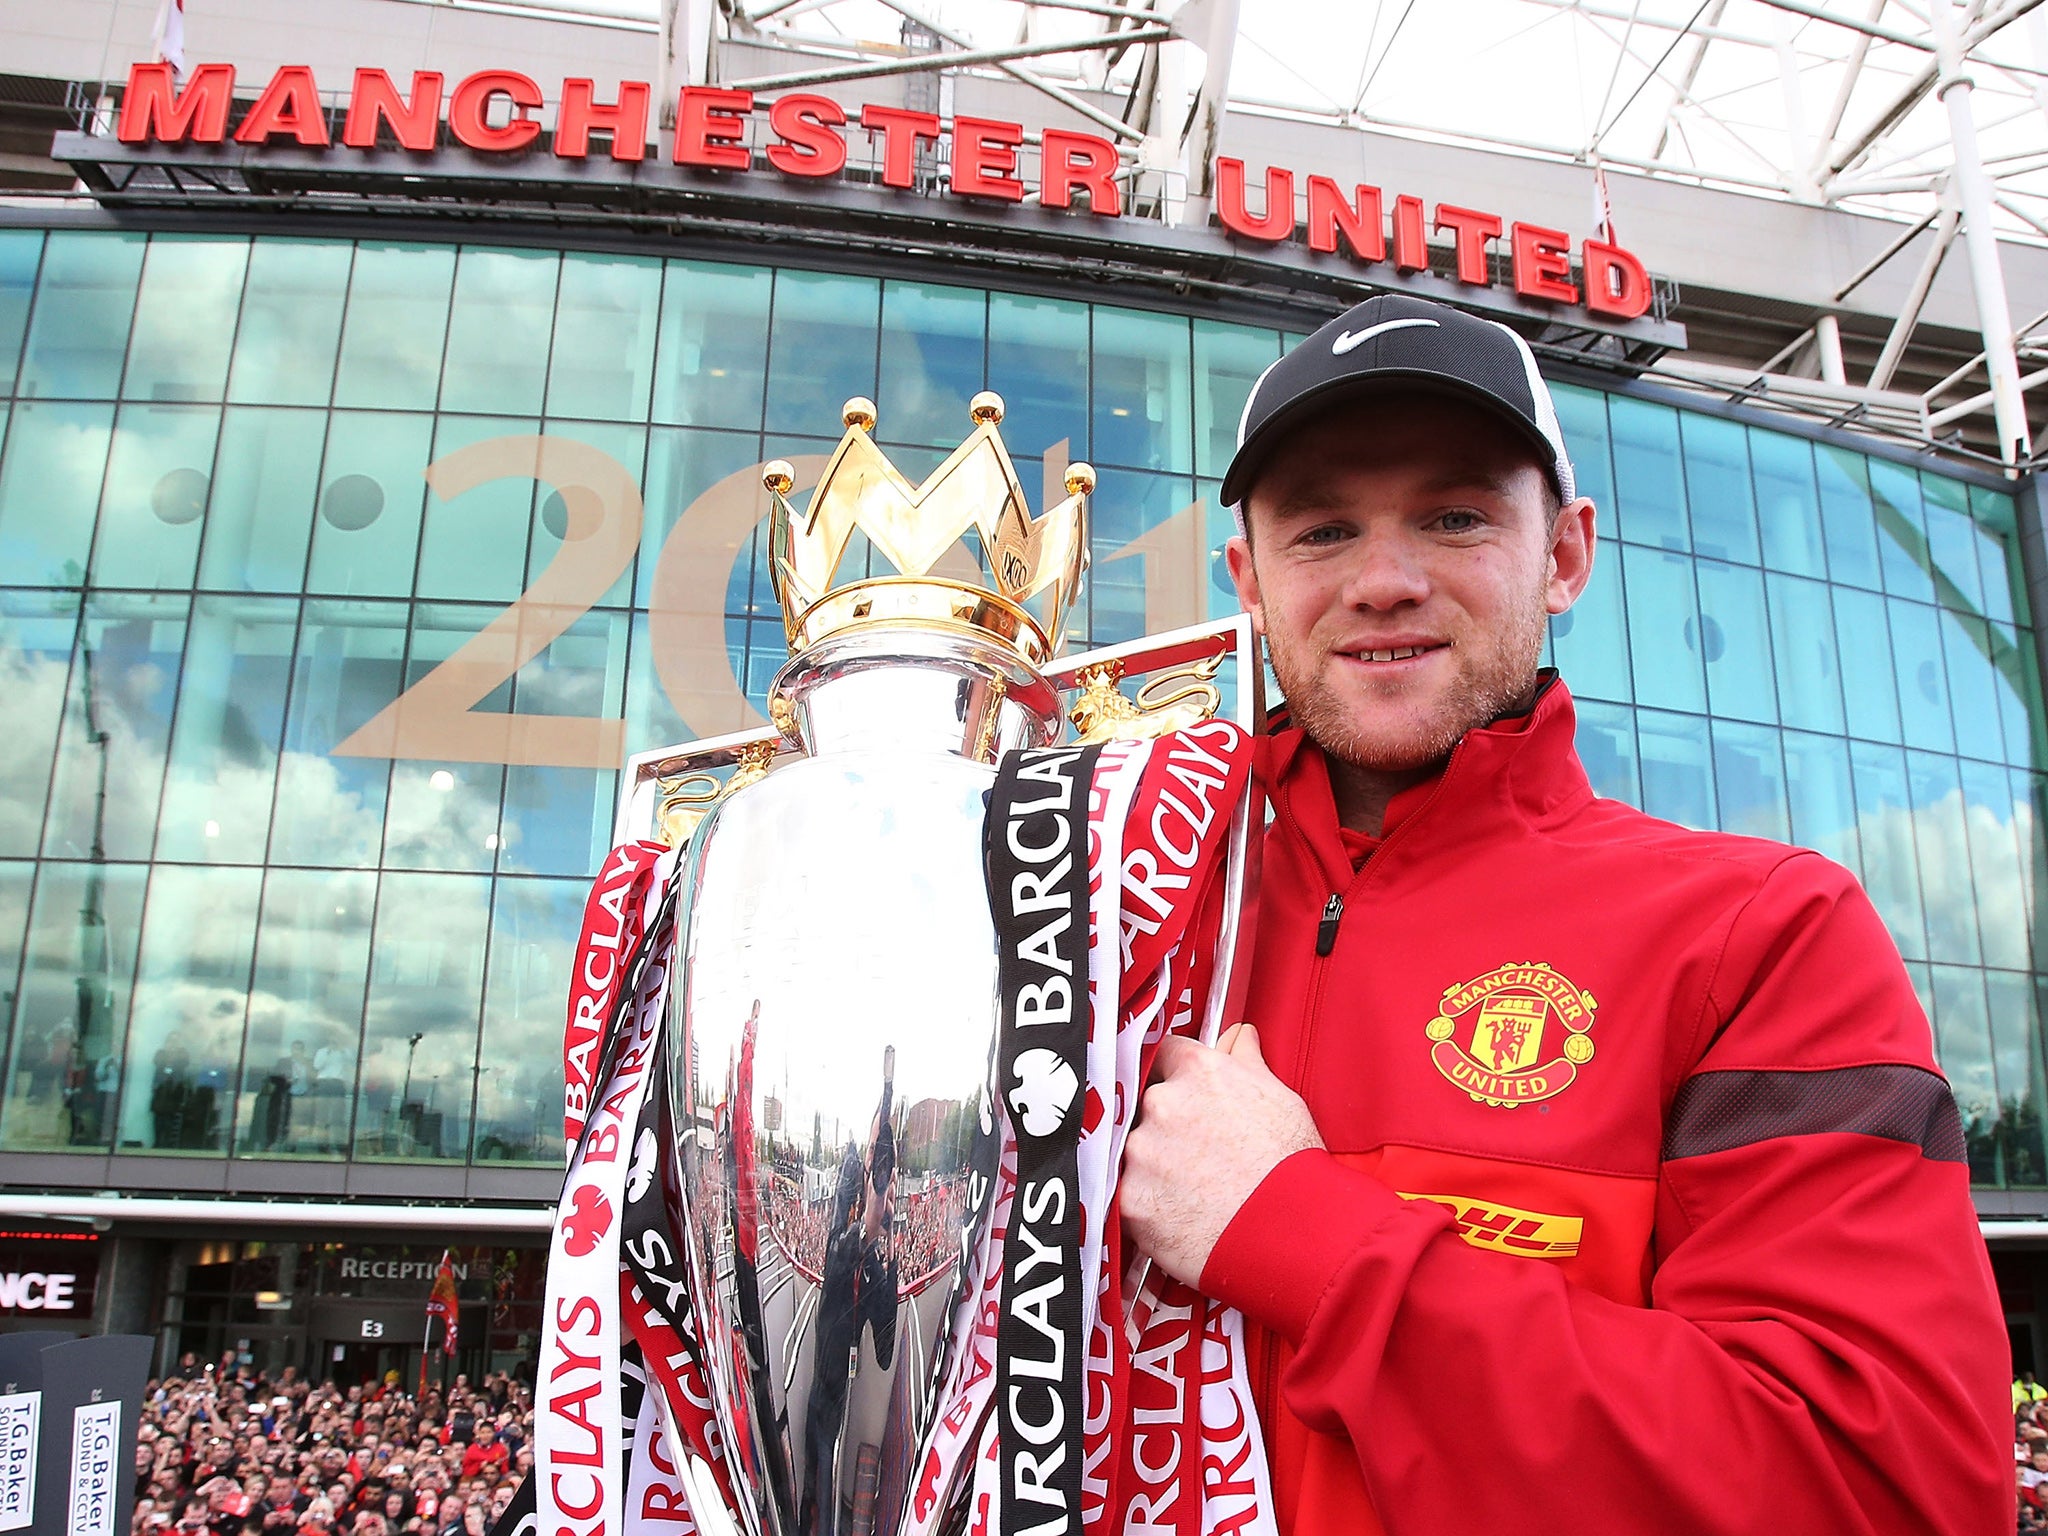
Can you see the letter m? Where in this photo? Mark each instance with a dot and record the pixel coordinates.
(154, 108)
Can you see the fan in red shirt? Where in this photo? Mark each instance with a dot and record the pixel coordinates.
(486, 1453)
(1627, 1135)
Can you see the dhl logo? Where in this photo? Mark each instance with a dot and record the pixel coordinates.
(1507, 1229)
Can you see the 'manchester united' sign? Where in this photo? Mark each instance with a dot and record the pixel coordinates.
(494, 111)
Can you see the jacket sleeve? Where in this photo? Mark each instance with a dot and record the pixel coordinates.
(1823, 1349)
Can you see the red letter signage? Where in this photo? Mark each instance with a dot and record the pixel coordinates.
(289, 104)
(375, 99)
(625, 120)
(1616, 283)
(1086, 162)
(985, 159)
(1278, 222)
(1543, 264)
(809, 129)
(469, 109)
(1411, 244)
(711, 127)
(1359, 221)
(900, 132)
(1473, 230)
(154, 108)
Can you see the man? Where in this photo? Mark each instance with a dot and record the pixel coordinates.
(1630, 1132)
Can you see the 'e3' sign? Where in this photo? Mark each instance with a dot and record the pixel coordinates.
(372, 1329)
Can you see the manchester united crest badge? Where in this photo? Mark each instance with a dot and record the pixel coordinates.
(1513, 1036)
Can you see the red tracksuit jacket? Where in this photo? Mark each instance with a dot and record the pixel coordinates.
(1643, 1207)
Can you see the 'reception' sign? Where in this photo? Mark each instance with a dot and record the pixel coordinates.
(498, 112)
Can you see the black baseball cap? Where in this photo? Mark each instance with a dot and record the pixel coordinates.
(1388, 342)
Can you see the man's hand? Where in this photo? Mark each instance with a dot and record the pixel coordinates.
(1213, 1124)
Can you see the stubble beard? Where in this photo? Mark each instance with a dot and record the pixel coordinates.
(1493, 686)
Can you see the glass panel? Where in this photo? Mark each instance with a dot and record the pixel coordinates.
(1649, 483)
(397, 316)
(1996, 822)
(117, 722)
(2016, 670)
(1846, 516)
(1607, 746)
(1943, 839)
(223, 757)
(17, 876)
(558, 821)
(1901, 531)
(78, 332)
(713, 356)
(1143, 388)
(1582, 414)
(1923, 680)
(37, 631)
(420, 1017)
(1952, 543)
(682, 464)
(474, 545)
(158, 476)
(1590, 639)
(1820, 796)
(305, 1013)
(2016, 1058)
(1963, 1043)
(1750, 781)
(526, 990)
(50, 490)
(1664, 630)
(1228, 361)
(1136, 504)
(933, 361)
(330, 809)
(1803, 641)
(2029, 795)
(21, 252)
(606, 317)
(651, 720)
(821, 349)
(498, 331)
(444, 815)
(259, 518)
(291, 322)
(1884, 829)
(1787, 503)
(1998, 559)
(185, 1027)
(1677, 782)
(1038, 362)
(1868, 688)
(1735, 639)
(64, 1062)
(367, 535)
(1718, 493)
(185, 318)
(1966, 642)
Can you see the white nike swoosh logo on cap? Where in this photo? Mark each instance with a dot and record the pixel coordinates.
(1350, 339)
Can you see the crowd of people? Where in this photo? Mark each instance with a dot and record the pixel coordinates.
(225, 1450)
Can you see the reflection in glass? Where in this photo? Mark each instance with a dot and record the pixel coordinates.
(602, 361)
(1607, 746)
(1116, 583)
(444, 815)
(2016, 1061)
(305, 1012)
(259, 518)
(420, 1017)
(1846, 516)
(291, 322)
(64, 1056)
(50, 478)
(558, 821)
(1821, 797)
(498, 327)
(21, 252)
(37, 630)
(1803, 643)
(158, 476)
(367, 532)
(1901, 531)
(1666, 637)
(821, 350)
(1923, 677)
(1967, 642)
(1582, 414)
(1228, 361)
(1750, 780)
(651, 719)
(1787, 503)
(223, 758)
(682, 464)
(330, 810)
(712, 359)
(185, 1025)
(1962, 1032)
(1868, 689)
(1884, 829)
(2000, 826)
(391, 336)
(2017, 674)
(1590, 639)
(1942, 836)
(1998, 562)
(1952, 543)
(17, 876)
(933, 362)
(625, 444)
(1736, 641)
(1678, 783)
(185, 318)
(526, 987)
(79, 331)
(1142, 389)
(1648, 481)
(1717, 479)
(117, 722)
(1038, 362)
(474, 545)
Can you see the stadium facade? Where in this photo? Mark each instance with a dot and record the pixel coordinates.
(317, 685)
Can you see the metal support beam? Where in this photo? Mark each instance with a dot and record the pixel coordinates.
(1941, 418)
(1884, 256)
(1827, 343)
(1980, 241)
(1689, 74)
(1867, 28)
(1957, 375)
(1916, 297)
(875, 68)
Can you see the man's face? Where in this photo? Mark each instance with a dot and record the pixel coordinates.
(1403, 558)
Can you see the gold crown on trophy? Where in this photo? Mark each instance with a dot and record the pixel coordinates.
(1018, 591)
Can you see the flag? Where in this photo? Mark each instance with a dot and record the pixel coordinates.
(1603, 209)
(169, 34)
(444, 1303)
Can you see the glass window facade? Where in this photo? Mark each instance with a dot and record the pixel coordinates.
(254, 490)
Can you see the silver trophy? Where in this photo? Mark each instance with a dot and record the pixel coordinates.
(832, 1022)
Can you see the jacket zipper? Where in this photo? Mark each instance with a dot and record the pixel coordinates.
(1326, 930)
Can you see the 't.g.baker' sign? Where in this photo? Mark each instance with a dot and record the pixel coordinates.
(496, 112)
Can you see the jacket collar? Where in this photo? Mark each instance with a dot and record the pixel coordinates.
(1520, 772)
